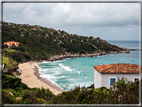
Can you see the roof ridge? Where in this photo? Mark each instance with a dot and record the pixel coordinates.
(109, 67)
(114, 65)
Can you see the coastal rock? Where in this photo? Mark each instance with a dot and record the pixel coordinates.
(113, 52)
(98, 38)
(104, 53)
(133, 49)
(69, 55)
(128, 51)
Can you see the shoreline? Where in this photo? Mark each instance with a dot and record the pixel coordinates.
(49, 82)
(69, 55)
(31, 77)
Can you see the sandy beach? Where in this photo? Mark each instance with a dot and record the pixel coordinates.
(31, 77)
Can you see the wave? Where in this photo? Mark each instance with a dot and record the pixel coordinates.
(110, 55)
(46, 62)
(38, 66)
(65, 67)
(52, 61)
(100, 56)
(80, 73)
(66, 59)
(51, 70)
(58, 61)
(51, 79)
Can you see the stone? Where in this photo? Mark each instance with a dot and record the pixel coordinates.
(18, 98)
(11, 93)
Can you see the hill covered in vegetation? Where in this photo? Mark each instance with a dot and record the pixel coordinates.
(40, 43)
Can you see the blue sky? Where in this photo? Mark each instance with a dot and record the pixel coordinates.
(109, 21)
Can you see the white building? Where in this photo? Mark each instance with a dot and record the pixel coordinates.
(106, 75)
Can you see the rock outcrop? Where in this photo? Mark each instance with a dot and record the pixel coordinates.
(61, 57)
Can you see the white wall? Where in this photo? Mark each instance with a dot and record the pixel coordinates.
(97, 79)
(105, 78)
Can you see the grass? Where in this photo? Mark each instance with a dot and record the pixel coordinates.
(10, 76)
(9, 50)
(10, 63)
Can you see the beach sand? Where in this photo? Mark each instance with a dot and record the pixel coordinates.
(31, 77)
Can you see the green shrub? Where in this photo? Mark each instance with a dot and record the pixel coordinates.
(42, 93)
(6, 97)
(13, 83)
(29, 98)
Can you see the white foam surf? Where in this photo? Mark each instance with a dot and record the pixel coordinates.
(46, 62)
(38, 66)
(65, 67)
(50, 79)
(78, 72)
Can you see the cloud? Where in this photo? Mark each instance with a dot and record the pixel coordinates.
(74, 17)
(104, 15)
(97, 14)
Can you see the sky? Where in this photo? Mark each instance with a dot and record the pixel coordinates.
(109, 21)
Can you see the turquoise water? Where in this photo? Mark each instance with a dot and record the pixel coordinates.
(69, 73)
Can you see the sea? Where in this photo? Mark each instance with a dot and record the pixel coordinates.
(72, 72)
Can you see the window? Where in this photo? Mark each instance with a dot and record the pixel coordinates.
(112, 80)
(136, 79)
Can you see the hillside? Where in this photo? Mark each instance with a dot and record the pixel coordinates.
(40, 43)
(16, 92)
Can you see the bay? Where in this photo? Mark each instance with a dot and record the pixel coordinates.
(69, 73)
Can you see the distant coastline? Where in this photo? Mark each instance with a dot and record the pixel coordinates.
(133, 44)
(122, 40)
(68, 55)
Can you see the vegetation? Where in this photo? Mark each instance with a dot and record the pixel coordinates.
(129, 93)
(39, 43)
(11, 82)
(9, 62)
(15, 92)
(9, 50)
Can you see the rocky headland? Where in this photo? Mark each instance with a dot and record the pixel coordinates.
(41, 43)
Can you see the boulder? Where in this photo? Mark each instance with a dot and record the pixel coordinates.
(18, 98)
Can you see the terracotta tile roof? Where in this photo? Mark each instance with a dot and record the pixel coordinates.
(118, 68)
(10, 43)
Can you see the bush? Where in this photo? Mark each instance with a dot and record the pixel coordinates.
(13, 83)
(42, 93)
(129, 91)
(29, 97)
(6, 97)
